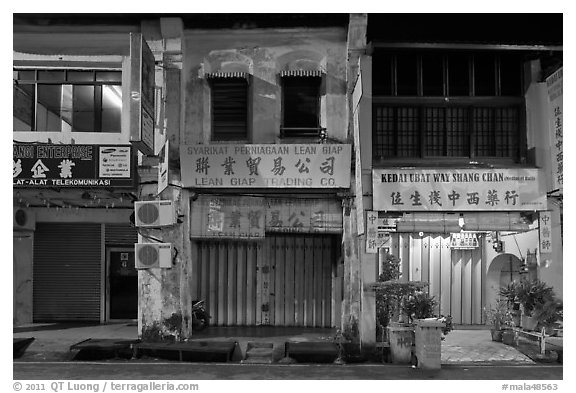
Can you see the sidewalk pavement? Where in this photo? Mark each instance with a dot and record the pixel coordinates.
(52, 343)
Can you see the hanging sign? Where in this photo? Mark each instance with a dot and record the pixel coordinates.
(46, 165)
(266, 166)
(303, 215)
(218, 217)
(163, 167)
(458, 189)
(142, 92)
(464, 241)
(554, 85)
(545, 232)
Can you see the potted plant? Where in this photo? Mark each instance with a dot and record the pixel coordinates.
(510, 294)
(496, 318)
(549, 315)
(531, 294)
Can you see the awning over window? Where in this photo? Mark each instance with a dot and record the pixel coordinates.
(288, 73)
(209, 75)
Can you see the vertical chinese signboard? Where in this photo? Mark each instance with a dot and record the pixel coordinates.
(545, 233)
(142, 91)
(554, 85)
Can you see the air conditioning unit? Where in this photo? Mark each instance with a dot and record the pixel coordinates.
(23, 220)
(150, 214)
(149, 255)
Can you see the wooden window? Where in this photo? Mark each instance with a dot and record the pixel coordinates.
(229, 109)
(447, 104)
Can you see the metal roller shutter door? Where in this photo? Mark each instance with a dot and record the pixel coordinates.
(120, 235)
(67, 272)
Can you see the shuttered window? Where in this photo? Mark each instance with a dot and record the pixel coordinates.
(229, 108)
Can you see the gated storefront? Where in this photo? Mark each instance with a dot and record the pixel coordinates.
(71, 273)
(283, 280)
(455, 277)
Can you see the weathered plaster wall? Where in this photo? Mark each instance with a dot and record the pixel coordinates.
(22, 262)
(263, 53)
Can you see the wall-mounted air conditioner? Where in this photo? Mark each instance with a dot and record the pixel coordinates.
(150, 214)
(149, 255)
(23, 219)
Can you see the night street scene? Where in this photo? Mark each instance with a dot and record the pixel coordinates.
(319, 197)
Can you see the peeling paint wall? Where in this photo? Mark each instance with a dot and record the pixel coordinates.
(263, 53)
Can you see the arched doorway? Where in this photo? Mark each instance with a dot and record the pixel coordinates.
(503, 269)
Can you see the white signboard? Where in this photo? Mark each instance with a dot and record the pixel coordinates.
(266, 166)
(114, 161)
(545, 232)
(371, 232)
(458, 190)
(464, 241)
(554, 85)
(163, 168)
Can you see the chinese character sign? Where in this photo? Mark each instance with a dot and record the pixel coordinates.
(458, 190)
(545, 232)
(303, 215)
(47, 165)
(554, 85)
(216, 217)
(266, 166)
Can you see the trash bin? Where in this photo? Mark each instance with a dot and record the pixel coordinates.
(401, 338)
(428, 340)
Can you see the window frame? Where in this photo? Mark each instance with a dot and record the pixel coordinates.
(302, 132)
(387, 96)
(98, 96)
(248, 115)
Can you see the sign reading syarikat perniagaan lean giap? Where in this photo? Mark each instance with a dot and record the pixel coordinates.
(266, 166)
(458, 190)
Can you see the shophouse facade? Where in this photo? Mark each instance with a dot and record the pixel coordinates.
(240, 122)
(74, 171)
(455, 177)
(292, 152)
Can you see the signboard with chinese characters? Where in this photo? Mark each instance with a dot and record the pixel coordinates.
(304, 216)
(545, 232)
(220, 217)
(44, 165)
(375, 238)
(464, 241)
(266, 166)
(554, 85)
(142, 92)
(458, 189)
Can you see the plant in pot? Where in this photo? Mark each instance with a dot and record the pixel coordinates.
(496, 318)
(510, 293)
(509, 335)
(391, 314)
(549, 315)
(530, 294)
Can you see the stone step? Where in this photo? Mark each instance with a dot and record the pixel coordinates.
(258, 353)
